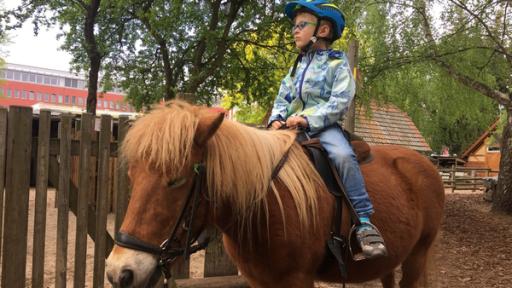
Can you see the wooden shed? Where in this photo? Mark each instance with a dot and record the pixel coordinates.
(482, 154)
(386, 124)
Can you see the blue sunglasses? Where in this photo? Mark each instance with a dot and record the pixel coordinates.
(301, 25)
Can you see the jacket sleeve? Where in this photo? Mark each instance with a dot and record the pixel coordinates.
(282, 101)
(342, 94)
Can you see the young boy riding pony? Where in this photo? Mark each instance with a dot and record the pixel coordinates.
(315, 94)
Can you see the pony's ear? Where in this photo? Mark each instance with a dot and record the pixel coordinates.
(207, 126)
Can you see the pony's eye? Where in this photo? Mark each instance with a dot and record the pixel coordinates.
(176, 182)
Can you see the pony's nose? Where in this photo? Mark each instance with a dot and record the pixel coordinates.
(126, 278)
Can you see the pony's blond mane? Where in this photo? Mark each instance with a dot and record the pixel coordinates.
(239, 160)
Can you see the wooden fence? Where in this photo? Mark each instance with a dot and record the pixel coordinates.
(466, 178)
(81, 162)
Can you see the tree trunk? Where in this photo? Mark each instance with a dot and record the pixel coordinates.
(92, 90)
(502, 198)
(94, 55)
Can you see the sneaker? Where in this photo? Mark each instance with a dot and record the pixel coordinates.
(370, 241)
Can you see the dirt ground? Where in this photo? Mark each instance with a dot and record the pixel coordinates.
(474, 248)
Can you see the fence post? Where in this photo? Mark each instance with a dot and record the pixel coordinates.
(217, 262)
(353, 50)
(43, 158)
(454, 177)
(101, 201)
(19, 145)
(122, 175)
(63, 200)
(3, 146)
(84, 178)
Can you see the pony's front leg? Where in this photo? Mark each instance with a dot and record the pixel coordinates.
(295, 281)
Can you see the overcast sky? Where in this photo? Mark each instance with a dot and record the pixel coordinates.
(41, 50)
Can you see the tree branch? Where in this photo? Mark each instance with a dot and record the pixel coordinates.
(486, 27)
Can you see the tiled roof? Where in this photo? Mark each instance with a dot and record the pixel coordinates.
(389, 125)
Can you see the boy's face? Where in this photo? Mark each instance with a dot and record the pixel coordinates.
(302, 36)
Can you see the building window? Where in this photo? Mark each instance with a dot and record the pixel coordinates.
(46, 97)
(66, 99)
(80, 101)
(73, 100)
(47, 80)
(39, 79)
(493, 149)
(54, 81)
(2, 74)
(9, 74)
(39, 96)
(17, 76)
(68, 82)
(16, 93)
(118, 107)
(54, 98)
(23, 94)
(8, 92)
(24, 76)
(111, 104)
(32, 78)
(31, 95)
(60, 98)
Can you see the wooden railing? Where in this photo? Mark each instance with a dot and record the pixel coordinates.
(466, 178)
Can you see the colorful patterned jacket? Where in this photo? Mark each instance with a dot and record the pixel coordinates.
(321, 90)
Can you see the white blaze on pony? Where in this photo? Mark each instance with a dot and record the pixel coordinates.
(275, 230)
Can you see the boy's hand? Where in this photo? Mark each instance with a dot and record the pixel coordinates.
(277, 124)
(296, 121)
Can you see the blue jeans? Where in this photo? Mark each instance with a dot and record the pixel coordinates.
(342, 155)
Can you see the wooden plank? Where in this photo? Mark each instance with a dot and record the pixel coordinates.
(214, 282)
(43, 155)
(63, 200)
(19, 142)
(122, 176)
(86, 134)
(217, 263)
(180, 268)
(3, 146)
(101, 201)
(91, 212)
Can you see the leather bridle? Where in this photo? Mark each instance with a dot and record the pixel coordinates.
(167, 252)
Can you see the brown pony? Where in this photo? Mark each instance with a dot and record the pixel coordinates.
(274, 228)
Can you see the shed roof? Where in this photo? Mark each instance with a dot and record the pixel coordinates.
(475, 145)
(389, 125)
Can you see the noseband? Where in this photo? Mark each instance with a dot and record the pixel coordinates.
(166, 252)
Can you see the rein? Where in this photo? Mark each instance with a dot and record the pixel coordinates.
(166, 252)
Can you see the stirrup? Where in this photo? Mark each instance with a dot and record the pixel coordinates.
(371, 239)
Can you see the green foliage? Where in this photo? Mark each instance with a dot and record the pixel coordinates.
(396, 58)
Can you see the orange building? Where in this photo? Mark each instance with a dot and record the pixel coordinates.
(481, 154)
(24, 85)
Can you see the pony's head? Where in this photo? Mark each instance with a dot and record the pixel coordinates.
(163, 151)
